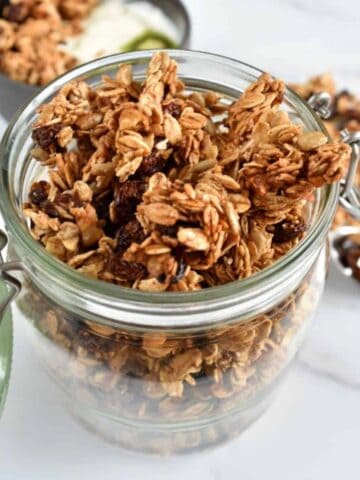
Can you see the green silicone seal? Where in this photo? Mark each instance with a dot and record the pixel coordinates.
(6, 346)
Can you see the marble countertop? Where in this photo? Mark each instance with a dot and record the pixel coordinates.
(312, 431)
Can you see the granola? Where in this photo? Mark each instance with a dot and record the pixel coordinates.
(159, 189)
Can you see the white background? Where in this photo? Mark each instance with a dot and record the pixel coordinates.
(312, 431)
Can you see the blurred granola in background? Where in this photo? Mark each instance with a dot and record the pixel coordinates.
(31, 33)
(345, 115)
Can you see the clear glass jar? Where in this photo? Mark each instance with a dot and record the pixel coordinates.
(168, 372)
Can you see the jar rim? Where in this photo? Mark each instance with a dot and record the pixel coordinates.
(239, 289)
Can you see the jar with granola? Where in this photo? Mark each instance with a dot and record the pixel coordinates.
(206, 187)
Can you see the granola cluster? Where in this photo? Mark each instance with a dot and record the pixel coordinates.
(345, 115)
(31, 35)
(160, 189)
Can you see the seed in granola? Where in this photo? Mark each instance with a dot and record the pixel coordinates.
(286, 231)
(45, 136)
(127, 234)
(180, 272)
(39, 192)
(126, 270)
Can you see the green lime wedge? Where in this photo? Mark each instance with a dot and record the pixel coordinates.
(150, 39)
(6, 345)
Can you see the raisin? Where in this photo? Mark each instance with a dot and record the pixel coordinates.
(63, 198)
(161, 278)
(168, 231)
(17, 12)
(126, 270)
(286, 231)
(180, 271)
(45, 136)
(173, 109)
(150, 165)
(127, 196)
(102, 206)
(172, 230)
(349, 255)
(39, 192)
(94, 344)
(127, 234)
(49, 208)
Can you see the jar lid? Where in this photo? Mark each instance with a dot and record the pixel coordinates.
(6, 347)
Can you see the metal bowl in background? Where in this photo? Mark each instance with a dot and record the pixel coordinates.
(14, 94)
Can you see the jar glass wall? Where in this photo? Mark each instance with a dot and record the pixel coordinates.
(173, 371)
(165, 391)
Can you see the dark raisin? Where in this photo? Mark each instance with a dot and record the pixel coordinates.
(168, 231)
(49, 208)
(286, 231)
(349, 255)
(93, 343)
(173, 230)
(200, 374)
(102, 204)
(64, 199)
(173, 109)
(127, 196)
(127, 234)
(161, 278)
(126, 270)
(150, 165)
(180, 271)
(39, 192)
(45, 136)
(17, 12)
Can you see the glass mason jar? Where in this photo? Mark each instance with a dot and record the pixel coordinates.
(168, 372)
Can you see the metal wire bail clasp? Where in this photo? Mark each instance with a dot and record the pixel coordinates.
(13, 283)
(350, 193)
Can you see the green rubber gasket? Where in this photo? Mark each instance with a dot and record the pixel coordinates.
(6, 348)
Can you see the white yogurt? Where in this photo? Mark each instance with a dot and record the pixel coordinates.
(112, 25)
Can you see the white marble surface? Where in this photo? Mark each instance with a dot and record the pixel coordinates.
(312, 431)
